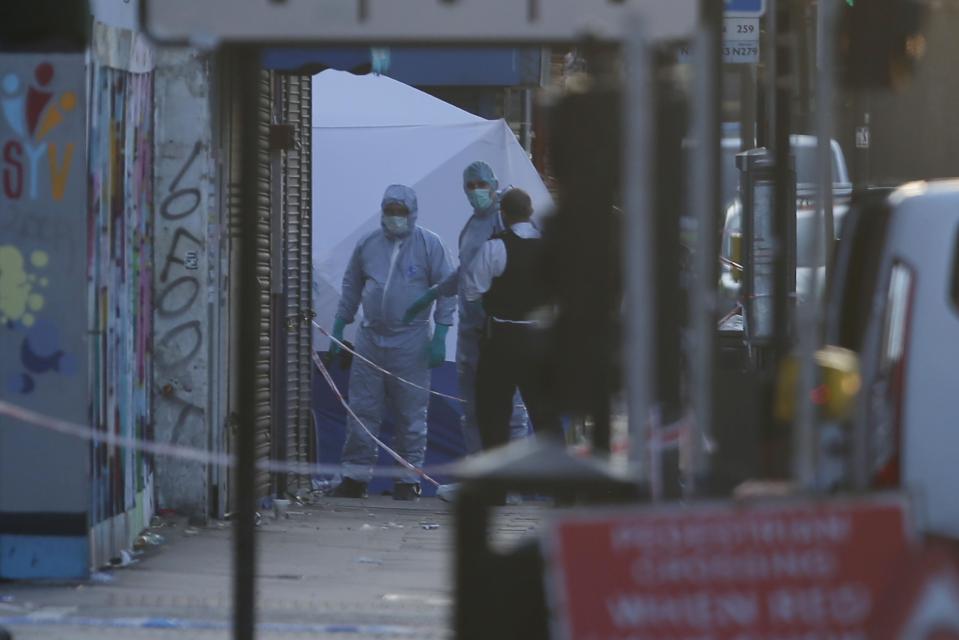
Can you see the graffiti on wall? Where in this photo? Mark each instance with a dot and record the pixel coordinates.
(185, 288)
(120, 280)
(178, 292)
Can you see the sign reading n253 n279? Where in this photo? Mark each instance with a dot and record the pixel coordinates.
(744, 8)
(803, 570)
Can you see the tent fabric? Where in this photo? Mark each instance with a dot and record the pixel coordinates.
(370, 132)
(342, 100)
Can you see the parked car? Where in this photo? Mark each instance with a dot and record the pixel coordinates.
(805, 151)
(894, 300)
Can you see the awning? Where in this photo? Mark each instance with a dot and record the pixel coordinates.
(421, 66)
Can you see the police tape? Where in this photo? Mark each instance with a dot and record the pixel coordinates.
(726, 318)
(400, 459)
(191, 454)
(730, 263)
(658, 440)
(356, 354)
(202, 456)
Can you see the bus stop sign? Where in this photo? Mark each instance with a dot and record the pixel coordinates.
(744, 8)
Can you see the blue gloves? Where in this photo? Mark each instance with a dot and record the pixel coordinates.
(421, 303)
(438, 345)
(338, 325)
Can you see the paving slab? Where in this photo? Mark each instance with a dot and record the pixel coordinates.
(341, 568)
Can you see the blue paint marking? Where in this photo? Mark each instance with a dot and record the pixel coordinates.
(39, 557)
(183, 624)
(745, 8)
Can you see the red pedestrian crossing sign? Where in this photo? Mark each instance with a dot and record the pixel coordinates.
(792, 569)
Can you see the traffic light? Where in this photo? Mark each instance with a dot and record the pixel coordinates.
(880, 41)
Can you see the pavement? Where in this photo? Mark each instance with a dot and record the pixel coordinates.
(341, 568)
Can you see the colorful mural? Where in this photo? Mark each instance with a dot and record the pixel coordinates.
(43, 327)
(121, 280)
(33, 110)
(20, 298)
(76, 291)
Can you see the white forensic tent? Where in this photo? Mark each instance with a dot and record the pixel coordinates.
(372, 131)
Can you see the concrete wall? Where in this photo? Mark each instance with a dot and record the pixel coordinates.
(185, 257)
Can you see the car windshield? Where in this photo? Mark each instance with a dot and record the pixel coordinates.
(806, 163)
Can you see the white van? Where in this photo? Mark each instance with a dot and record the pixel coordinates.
(895, 301)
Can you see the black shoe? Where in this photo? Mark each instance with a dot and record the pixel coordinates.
(406, 491)
(349, 488)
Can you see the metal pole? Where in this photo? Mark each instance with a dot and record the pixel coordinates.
(637, 249)
(806, 432)
(747, 102)
(244, 560)
(671, 125)
(784, 220)
(826, 27)
(528, 120)
(706, 200)
(784, 269)
(772, 71)
(865, 177)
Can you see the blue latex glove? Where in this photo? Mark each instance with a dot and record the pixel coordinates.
(338, 325)
(421, 303)
(438, 345)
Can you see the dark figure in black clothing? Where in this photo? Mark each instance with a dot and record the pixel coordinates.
(504, 275)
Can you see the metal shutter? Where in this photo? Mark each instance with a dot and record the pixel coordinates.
(307, 439)
(283, 365)
(229, 144)
(297, 243)
(263, 275)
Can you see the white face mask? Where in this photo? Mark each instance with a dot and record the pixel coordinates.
(480, 199)
(396, 225)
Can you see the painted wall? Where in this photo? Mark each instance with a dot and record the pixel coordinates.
(44, 488)
(120, 282)
(185, 248)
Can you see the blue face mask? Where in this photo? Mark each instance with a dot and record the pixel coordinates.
(480, 199)
(396, 225)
